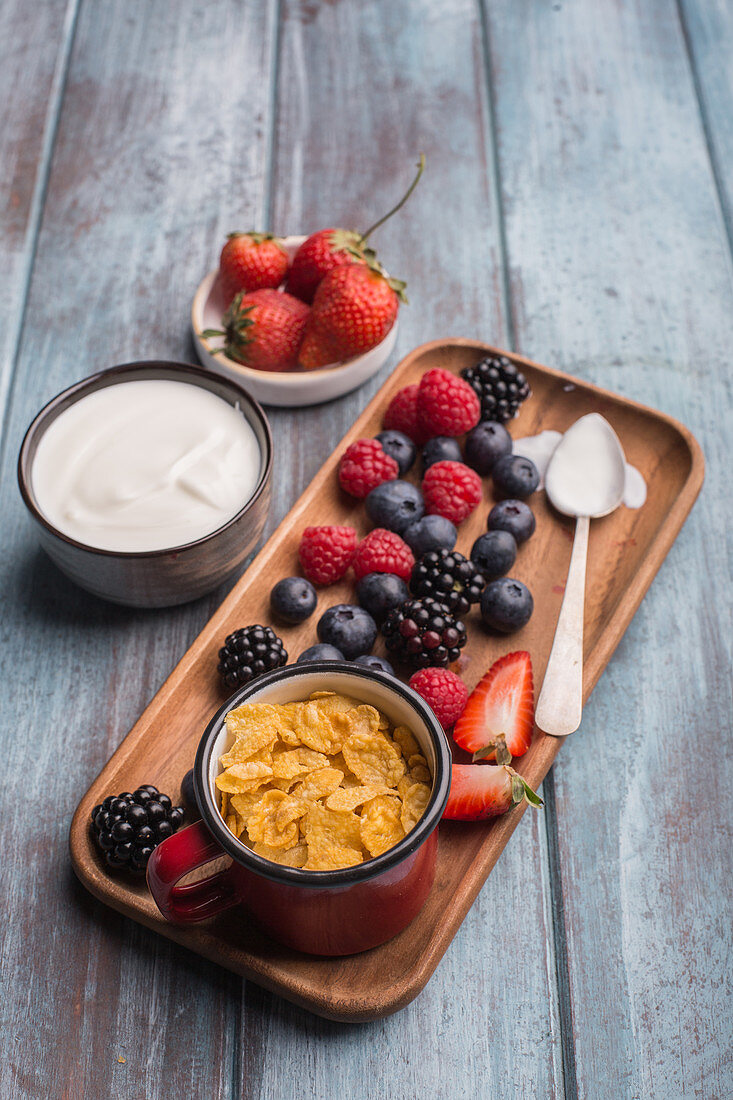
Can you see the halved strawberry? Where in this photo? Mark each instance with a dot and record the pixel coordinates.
(502, 703)
(477, 792)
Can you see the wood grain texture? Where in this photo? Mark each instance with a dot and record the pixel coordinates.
(34, 47)
(379, 982)
(708, 33)
(620, 269)
(165, 116)
(617, 270)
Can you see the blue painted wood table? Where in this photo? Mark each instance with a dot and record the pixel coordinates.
(577, 207)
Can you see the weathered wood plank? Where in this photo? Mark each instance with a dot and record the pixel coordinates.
(34, 45)
(343, 153)
(708, 31)
(620, 272)
(162, 136)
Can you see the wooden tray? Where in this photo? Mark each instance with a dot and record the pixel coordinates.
(626, 550)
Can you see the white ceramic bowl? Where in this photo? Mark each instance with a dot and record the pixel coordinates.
(291, 388)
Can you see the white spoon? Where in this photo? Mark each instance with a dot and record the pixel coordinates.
(585, 479)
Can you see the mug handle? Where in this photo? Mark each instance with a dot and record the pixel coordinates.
(177, 856)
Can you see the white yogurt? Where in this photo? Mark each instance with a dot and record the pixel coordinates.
(540, 449)
(145, 465)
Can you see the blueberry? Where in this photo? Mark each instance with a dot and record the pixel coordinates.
(515, 476)
(378, 593)
(349, 628)
(394, 505)
(513, 516)
(430, 533)
(494, 553)
(320, 653)
(399, 447)
(485, 444)
(293, 599)
(369, 660)
(506, 605)
(441, 448)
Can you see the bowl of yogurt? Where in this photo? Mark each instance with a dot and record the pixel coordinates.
(149, 483)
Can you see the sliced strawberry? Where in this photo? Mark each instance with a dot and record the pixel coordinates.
(501, 703)
(477, 792)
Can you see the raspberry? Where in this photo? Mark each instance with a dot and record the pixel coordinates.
(383, 552)
(401, 415)
(326, 552)
(452, 490)
(363, 466)
(446, 405)
(442, 690)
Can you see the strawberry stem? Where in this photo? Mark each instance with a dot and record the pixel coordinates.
(521, 790)
(401, 203)
(496, 747)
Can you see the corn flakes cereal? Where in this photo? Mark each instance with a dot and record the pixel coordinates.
(243, 777)
(373, 759)
(381, 825)
(288, 857)
(414, 803)
(348, 798)
(406, 741)
(295, 762)
(320, 784)
(420, 774)
(263, 825)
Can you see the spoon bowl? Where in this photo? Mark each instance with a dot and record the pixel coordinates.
(587, 472)
(585, 479)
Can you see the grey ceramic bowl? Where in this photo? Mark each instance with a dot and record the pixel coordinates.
(155, 578)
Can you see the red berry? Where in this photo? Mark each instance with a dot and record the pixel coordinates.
(263, 330)
(401, 415)
(500, 713)
(354, 308)
(451, 489)
(326, 552)
(383, 552)
(251, 261)
(442, 690)
(363, 466)
(319, 254)
(477, 792)
(446, 405)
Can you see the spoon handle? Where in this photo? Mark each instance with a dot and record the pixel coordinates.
(560, 705)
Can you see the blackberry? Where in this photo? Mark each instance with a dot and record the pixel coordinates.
(448, 577)
(127, 827)
(424, 632)
(249, 652)
(499, 386)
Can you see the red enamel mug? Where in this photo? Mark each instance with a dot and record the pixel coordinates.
(318, 912)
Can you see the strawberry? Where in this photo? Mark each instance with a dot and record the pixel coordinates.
(353, 310)
(319, 254)
(499, 716)
(263, 330)
(477, 792)
(330, 248)
(251, 261)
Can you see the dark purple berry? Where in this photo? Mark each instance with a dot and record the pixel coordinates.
(513, 516)
(515, 476)
(399, 447)
(506, 605)
(348, 628)
(293, 599)
(494, 553)
(485, 444)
